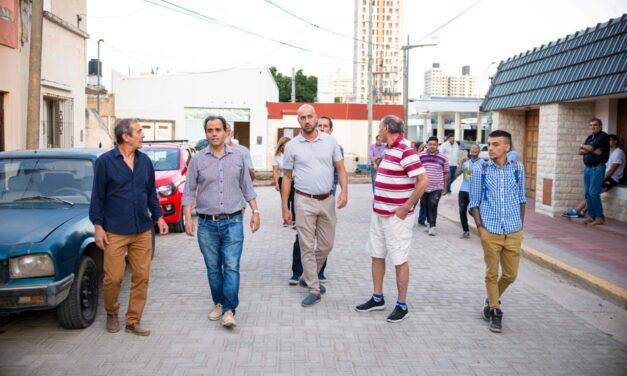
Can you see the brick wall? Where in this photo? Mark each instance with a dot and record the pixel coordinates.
(563, 127)
(512, 121)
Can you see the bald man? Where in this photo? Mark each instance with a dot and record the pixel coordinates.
(310, 159)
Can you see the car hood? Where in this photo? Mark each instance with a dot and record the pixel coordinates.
(166, 177)
(32, 224)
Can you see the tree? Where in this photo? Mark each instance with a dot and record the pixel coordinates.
(306, 86)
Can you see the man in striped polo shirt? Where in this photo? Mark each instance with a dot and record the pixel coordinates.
(437, 168)
(400, 182)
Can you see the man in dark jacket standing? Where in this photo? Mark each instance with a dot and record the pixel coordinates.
(123, 209)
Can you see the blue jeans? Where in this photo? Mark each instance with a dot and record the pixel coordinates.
(451, 176)
(221, 243)
(592, 184)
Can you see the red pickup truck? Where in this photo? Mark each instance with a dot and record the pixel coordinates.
(170, 162)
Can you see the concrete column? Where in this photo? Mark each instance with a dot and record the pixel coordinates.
(426, 129)
(441, 127)
(459, 132)
(479, 139)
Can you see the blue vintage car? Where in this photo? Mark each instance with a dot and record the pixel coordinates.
(48, 258)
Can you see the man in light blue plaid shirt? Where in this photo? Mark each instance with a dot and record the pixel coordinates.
(497, 203)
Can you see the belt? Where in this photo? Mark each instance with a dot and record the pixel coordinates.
(594, 164)
(218, 217)
(317, 197)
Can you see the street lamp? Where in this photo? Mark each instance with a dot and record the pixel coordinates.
(99, 74)
(406, 49)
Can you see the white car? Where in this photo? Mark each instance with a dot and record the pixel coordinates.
(483, 152)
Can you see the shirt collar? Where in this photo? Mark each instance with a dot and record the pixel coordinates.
(227, 149)
(302, 138)
(118, 154)
(397, 141)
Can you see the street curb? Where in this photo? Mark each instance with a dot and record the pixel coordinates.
(591, 282)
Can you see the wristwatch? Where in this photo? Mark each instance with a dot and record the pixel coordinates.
(256, 212)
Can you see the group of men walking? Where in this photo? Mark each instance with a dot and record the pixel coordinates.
(219, 186)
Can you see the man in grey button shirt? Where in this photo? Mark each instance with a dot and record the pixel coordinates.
(310, 159)
(218, 181)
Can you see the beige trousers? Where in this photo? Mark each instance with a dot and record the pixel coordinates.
(315, 223)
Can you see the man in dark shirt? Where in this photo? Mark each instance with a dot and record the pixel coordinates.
(595, 151)
(123, 209)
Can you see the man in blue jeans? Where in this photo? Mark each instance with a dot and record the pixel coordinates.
(219, 185)
(595, 151)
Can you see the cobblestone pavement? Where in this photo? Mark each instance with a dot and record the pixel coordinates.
(550, 326)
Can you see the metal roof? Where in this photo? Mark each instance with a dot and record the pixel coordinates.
(588, 63)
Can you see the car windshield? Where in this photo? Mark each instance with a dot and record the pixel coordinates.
(164, 159)
(50, 180)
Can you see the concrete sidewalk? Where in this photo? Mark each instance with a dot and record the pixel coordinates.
(593, 256)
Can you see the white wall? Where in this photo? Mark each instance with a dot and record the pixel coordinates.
(166, 97)
(63, 69)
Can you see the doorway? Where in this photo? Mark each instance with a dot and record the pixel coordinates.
(530, 152)
(1, 121)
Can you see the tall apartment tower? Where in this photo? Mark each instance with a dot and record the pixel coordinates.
(387, 27)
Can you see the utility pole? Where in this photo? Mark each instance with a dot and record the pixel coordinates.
(406, 49)
(99, 74)
(370, 83)
(34, 76)
(293, 84)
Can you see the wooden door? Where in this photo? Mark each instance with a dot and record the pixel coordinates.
(1, 121)
(530, 152)
(621, 128)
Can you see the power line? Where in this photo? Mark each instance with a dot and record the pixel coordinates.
(316, 25)
(449, 21)
(189, 12)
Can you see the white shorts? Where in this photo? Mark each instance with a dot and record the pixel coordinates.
(390, 236)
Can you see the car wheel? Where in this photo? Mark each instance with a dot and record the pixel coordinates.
(78, 310)
(180, 225)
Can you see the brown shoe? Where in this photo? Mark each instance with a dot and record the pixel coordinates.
(228, 320)
(113, 324)
(587, 220)
(137, 329)
(597, 222)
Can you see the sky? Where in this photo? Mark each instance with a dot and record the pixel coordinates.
(139, 35)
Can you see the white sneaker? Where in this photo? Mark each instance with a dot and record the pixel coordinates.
(432, 231)
(216, 313)
(228, 319)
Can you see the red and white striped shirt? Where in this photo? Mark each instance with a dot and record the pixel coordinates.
(396, 177)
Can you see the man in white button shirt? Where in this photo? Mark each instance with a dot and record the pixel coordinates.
(450, 149)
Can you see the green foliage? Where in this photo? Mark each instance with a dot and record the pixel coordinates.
(306, 86)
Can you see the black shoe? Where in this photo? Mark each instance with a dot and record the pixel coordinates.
(293, 281)
(371, 305)
(322, 278)
(486, 309)
(497, 317)
(398, 314)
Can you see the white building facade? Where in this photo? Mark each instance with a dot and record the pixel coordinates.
(174, 106)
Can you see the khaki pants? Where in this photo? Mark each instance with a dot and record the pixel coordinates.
(315, 223)
(503, 250)
(139, 248)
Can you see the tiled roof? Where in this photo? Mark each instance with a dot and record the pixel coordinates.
(588, 63)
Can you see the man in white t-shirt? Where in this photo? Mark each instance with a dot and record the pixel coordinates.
(615, 165)
(450, 149)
